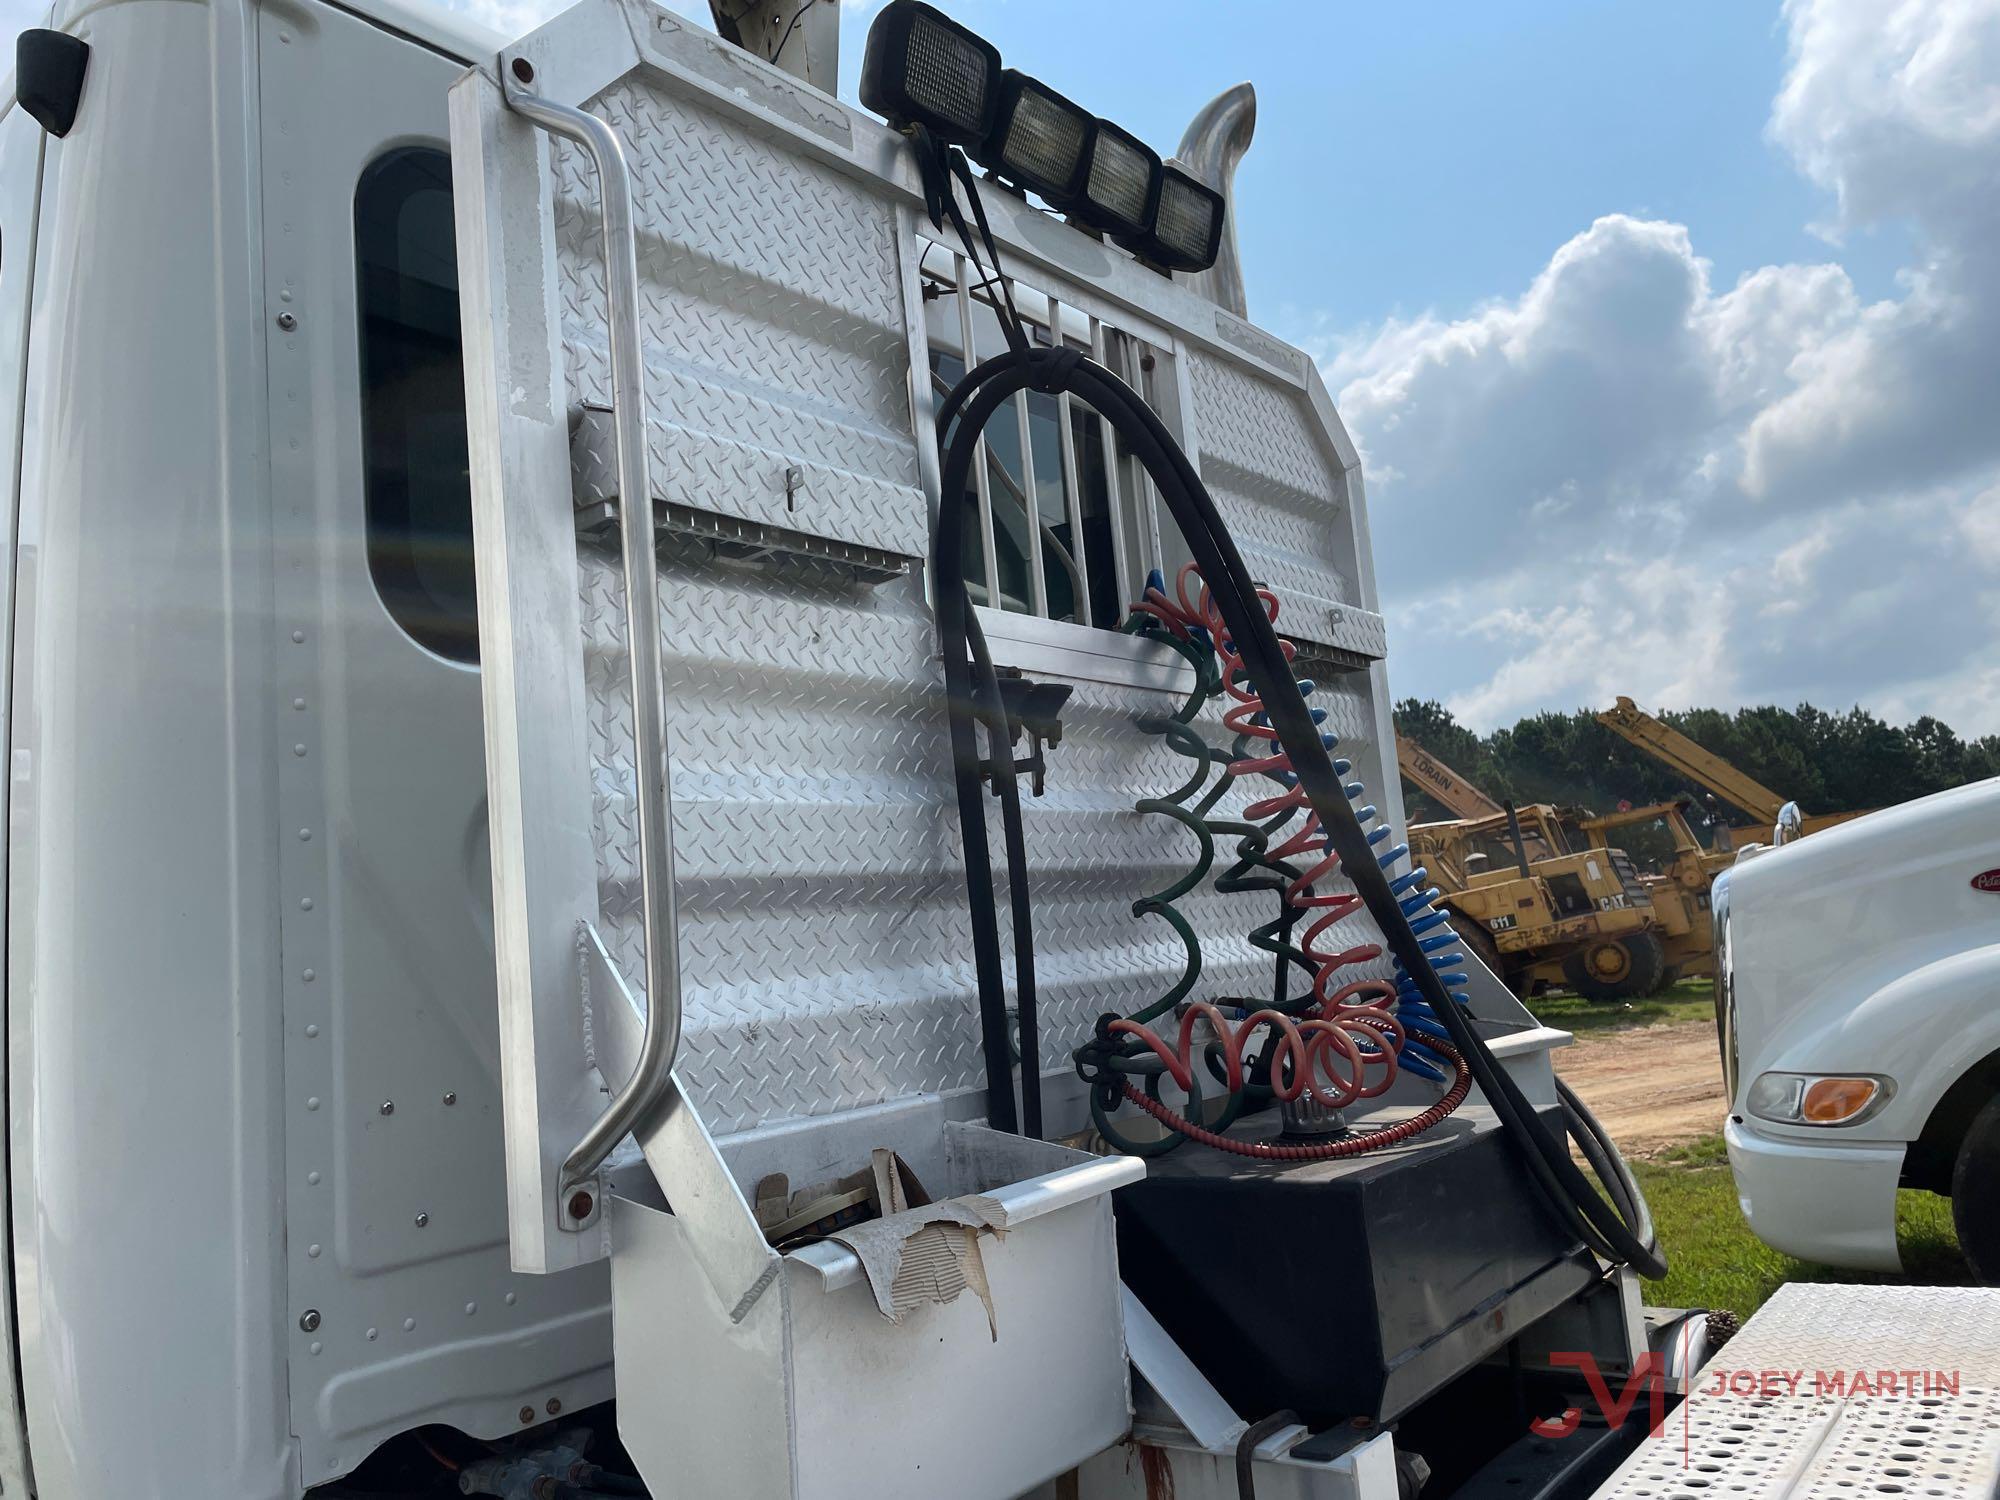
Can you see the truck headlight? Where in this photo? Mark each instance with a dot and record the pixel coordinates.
(1817, 1098)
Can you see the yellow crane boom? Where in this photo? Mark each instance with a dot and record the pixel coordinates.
(1669, 745)
(1427, 773)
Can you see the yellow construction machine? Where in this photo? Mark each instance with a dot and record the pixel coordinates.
(1679, 895)
(1672, 748)
(1537, 910)
(1541, 913)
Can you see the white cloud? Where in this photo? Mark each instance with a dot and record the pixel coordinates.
(1981, 525)
(1768, 491)
(1578, 651)
(1894, 105)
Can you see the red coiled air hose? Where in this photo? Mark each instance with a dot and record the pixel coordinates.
(1353, 1145)
(1309, 1046)
(1369, 1022)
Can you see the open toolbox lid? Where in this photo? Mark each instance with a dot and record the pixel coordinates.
(804, 877)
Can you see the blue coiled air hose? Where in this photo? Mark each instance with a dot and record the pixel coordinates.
(1416, 900)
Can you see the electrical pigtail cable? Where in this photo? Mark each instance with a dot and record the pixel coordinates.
(1614, 1230)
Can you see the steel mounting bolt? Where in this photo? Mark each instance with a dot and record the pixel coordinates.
(309, 1320)
(388, 1106)
(527, 1415)
(288, 321)
(580, 1204)
(423, 1221)
(450, 1099)
(554, 1406)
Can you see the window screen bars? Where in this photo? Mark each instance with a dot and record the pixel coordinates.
(1056, 530)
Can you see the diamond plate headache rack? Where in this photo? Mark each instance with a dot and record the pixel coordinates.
(778, 239)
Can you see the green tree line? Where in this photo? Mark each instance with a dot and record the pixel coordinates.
(1825, 762)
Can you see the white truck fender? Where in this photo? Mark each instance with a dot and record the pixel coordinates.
(1924, 1030)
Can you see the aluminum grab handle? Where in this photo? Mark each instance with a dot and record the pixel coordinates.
(651, 1085)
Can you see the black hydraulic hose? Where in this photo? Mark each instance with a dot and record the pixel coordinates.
(1596, 1145)
(972, 693)
(1000, 1112)
(960, 633)
(1581, 1210)
(1028, 1031)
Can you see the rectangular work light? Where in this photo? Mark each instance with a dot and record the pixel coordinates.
(1121, 187)
(922, 68)
(1187, 226)
(1040, 141)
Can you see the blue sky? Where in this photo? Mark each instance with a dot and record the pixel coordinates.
(1429, 157)
(1680, 323)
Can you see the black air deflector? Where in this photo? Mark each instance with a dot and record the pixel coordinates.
(48, 77)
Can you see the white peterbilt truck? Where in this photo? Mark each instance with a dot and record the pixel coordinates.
(1860, 1040)
(419, 1080)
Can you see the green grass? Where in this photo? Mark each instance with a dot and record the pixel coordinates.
(1689, 1000)
(1714, 1260)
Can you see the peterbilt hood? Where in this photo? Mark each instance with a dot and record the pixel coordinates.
(1839, 914)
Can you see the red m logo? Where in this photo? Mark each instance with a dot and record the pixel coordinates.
(1648, 1375)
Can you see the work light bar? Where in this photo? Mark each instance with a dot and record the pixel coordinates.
(922, 68)
(1040, 140)
(1187, 225)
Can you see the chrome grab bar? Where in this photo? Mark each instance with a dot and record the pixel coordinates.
(651, 1084)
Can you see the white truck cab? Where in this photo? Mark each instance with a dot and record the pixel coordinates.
(332, 936)
(1858, 1007)
(497, 1000)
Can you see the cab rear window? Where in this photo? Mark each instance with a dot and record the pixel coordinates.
(418, 481)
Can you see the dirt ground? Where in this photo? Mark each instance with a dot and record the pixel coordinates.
(1654, 1087)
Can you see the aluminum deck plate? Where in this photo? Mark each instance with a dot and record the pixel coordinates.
(1838, 1393)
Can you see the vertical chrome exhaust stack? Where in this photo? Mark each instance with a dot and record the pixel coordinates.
(1214, 144)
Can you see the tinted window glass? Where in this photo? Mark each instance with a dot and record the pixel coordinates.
(419, 488)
